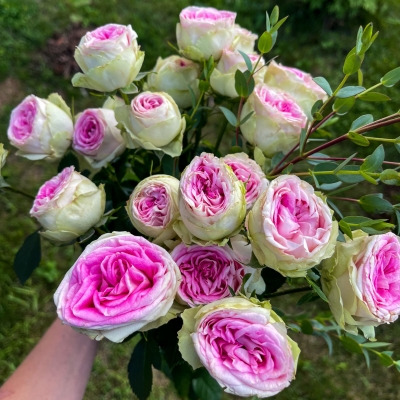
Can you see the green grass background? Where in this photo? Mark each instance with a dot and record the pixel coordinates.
(316, 38)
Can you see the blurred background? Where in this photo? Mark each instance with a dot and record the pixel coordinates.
(38, 38)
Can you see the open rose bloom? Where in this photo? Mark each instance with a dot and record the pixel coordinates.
(211, 201)
(109, 57)
(244, 40)
(243, 345)
(153, 207)
(41, 129)
(222, 79)
(175, 75)
(276, 122)
(362, 281)
(68, 205)
(97, 137)
(204, 32)
(153, 121)
(118, 285)
(296, 83)
(291, 227)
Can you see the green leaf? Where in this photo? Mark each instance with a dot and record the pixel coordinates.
(205, 386)
(241, 84)
(235, 149)
(349, 91)
(351, 345)
(374, 204)
(250, 82)
(242, 121)
(326, 167)
(28, 257)
(390, 177)
(360, 77)
(130, 89)
(317, 289)
(307, 298)
(343, 106)
(368, 178)
(130, 175)
(358, 139)
(139, 368)
(344, 163)
(306, 327)
(373, 96)
(350, 178)
(316, 106)
(362, 121)
(359, 41)
(278, 25)
(373, 345)
(391, 78)
(229, 115)
(374, 161)
(324, 84)
(384, 359)
(69, 160)
(303, 137)
(352, 62)
(247, 60)
(192, 97)
(268, 21)
(274, 16)
(277, 158)
(345, 228)
(366, 35)
(265, 43)
(367, 359)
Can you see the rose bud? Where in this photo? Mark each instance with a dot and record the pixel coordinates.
(97, 137)
(222, 79)
(290, 227)
(362, 281)
(276, 122)
(119, 284)
(298, 84)
(211, 201)
(243, 344)
(204, 32)
(250, 173)
(153, 207)
(244, 40)
(175, 75)
(109, 57)
(41, 129)
(68, 205)
(153, 121)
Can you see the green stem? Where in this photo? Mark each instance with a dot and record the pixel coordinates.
(197, 105)
(368, 90)
(334, 93)
(290, 291)
(377, 139)
(19, 192)
(125, 97)
(353, 159)
(221, 134)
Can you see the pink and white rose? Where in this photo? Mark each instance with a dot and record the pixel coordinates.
(295, 82)
(109, 57)
(97, 137)
(290, 227)
(153, 207)
(118, 285)
(362, 281)
(250, 173)
(41, 129)
(68, 205)
(242, 343)
(153, 121)
(244, 40)
(175, 75)
(222, 78)
(204, 32)
(276, 122)
(211, 201)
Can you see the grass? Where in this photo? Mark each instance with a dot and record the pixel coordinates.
(316, 38)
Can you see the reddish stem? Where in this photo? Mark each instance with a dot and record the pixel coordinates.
(353, 159)
(343, 198)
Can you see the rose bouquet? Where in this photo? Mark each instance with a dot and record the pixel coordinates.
(189, 224)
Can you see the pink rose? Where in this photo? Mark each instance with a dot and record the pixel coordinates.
(291, 227)
(204, 32)
(68, 205)
(207, 273)
(118, 285)
(298, 84)
(153, 121)
(250, 173)
(41, 129)
(276, 123)
(362, 281)
(244, 40)
(97, 137)
(153, 206)
(109, 57)
(211, 199)
(243, 344)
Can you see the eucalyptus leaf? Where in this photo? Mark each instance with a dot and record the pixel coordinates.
(343, 106)
(265, 43)
(391, 78)
(229, 115)
(374, 204)
(349, 91)
(374, 161)
(362, 121)
(373, 96)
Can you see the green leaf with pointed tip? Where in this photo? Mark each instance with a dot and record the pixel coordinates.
(343, 106)
(278, 25)
(374, 161)
(241, 84)
(345, 228)
(324, 84)
(373, 96)
(351, 345)
(247, 60)
(362, 121)
(274, 15)
(358, 139)
(344, 163)
(391, 78)
(229, 115)
(352, 62)
(246, 117)
(265, 43)
(349, 91)
(205, 386)
(390, 177)
(374, 204)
